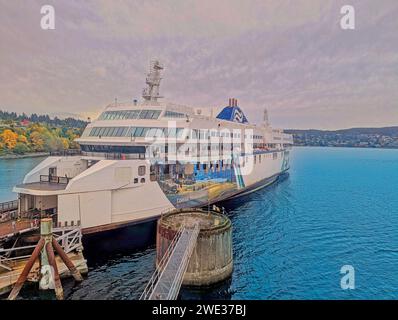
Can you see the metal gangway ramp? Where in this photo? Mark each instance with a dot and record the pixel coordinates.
(165, 283)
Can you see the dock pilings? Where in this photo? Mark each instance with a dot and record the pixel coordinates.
(44, 250)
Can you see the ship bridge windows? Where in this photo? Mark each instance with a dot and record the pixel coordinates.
(149, 114)
(136, 132)
(113, 149)
(108, 132)
(130, 114)
(173, 114)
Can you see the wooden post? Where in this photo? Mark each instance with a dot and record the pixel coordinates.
(45, 248)
(73, 270)
(25, 272)
(59, 292)
(46, 235)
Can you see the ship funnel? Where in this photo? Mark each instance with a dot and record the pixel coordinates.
(232, 102)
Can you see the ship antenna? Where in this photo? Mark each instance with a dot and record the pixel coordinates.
(151, 92)
(265, 118)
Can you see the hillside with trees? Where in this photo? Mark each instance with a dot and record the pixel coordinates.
(386, 137)
(21, 134)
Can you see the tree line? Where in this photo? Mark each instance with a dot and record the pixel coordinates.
(39, 133)
(68, 122)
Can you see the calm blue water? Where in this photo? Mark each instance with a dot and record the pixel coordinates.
(12, 171)
(337, 207)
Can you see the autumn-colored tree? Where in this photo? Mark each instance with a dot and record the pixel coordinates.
(37, 141)
(37, 137)
(65, 143)
(22, 139)
(9, 138)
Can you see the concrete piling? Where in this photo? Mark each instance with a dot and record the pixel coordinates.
(212, 259)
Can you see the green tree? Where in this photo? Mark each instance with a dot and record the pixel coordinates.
(20, 148)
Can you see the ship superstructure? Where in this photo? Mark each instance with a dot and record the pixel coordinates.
(139, 159)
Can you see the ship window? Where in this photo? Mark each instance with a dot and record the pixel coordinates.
(141, 170)
(101, 131)
(149, 114)
(138, 132)
(144, 114)
(111, 131)
(133, 114)
(155, 114)
(106, 132)
(118, 132)
(172, 114)
(124, 131)
(119, 115)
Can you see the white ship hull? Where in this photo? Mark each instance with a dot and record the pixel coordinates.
(108, 195)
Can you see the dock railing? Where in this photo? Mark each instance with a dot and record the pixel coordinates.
(159, 268)
(166, 281)
(70, 239)
(8, 206)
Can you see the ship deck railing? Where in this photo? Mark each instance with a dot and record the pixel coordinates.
(66, 153)
(54, 179)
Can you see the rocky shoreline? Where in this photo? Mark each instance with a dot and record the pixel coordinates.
(26, 155)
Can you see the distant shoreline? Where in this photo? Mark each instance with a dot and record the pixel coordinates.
(26, 155)
(348, 147)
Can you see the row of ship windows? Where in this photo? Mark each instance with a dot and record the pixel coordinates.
(161, 132)
(138, 114)
(130, 114)
(135, 132)
(142, 150)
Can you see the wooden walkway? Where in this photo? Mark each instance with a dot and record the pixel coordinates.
(12, 227)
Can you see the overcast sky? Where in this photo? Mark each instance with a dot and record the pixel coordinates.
(289, 56)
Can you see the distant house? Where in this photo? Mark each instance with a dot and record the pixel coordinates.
(25, 122)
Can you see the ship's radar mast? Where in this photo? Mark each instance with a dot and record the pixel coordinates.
(151, 92)
(265, 118)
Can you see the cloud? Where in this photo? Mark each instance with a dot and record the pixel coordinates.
(290, 56)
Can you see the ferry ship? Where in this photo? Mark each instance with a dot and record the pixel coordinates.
(141, 159)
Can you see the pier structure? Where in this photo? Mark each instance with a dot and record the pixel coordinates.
(165, 283)
(194, 247)
(19, 264)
